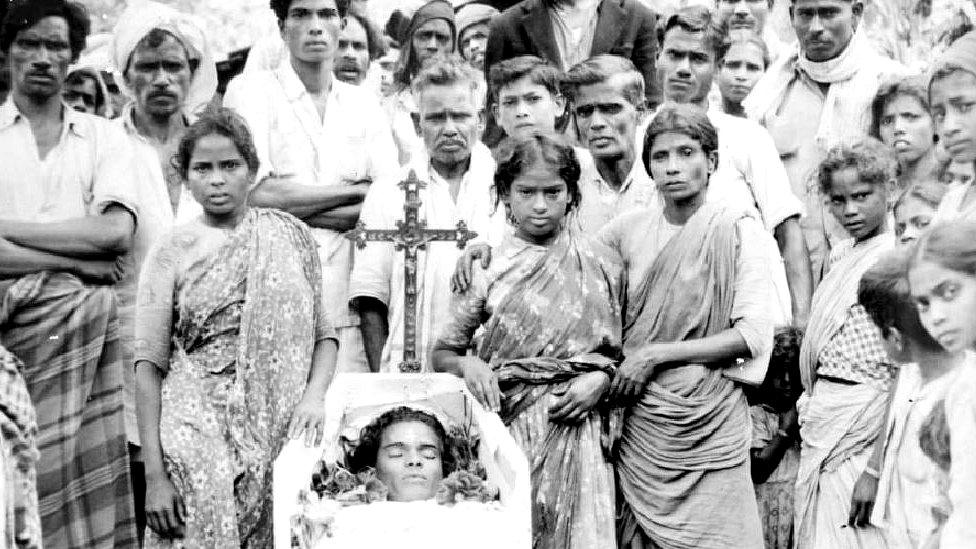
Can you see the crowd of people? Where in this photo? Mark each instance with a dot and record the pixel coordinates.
(722, 290)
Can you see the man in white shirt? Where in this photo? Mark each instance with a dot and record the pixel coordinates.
(458, 171)
(606, 95)
(358, 47)
(67, 221)
(750, 173)
(321, 142)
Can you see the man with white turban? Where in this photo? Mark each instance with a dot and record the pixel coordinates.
(169, 74)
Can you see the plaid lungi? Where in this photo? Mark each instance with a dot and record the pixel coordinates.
(66, 335)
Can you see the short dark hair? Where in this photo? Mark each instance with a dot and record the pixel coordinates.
(217, 121)
(514, 156)
(698, 19)
(536, 69)
(24, 14)
(601, 68)
(684, 119)
(874, 162)
(280, 8)
(911, 86)
(929, 191)
(374, 42)
(885, 294)
(364, 455)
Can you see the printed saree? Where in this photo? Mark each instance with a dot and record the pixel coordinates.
(245, 326)
(20, 524)
(551, 314)
(683, 460)
(65, 334)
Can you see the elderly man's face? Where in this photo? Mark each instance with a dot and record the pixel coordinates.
(472, 44)
(825, 27)
(311, 30)
(81, 94)
(39, 59)
(432, 39)
(606, 120)
(449, 123)
(352, 57)
(159, 77)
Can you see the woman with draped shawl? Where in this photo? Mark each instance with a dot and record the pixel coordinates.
(697, 290)
(233, 352)
(551, 317)
(844, 366)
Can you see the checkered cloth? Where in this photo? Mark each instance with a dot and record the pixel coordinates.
(18, 462)
(65, 334)
(856, 352)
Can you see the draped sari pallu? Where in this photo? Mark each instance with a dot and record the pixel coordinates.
(242, 348)
(558, 320)
(683, 459)
(65, 333)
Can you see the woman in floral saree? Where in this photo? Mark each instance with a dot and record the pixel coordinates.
(233, 352)
(549, 307)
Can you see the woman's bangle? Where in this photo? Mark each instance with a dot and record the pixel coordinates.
(871, 471)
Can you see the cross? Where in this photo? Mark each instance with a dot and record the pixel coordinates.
(411, 234)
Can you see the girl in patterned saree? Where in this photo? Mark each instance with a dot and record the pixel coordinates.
(549, 308)
(233, 352)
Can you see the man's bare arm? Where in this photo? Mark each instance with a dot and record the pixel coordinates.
(340, 219)
(104, 236)
(304, 201)
(375, 327)
(796, 258)
(18, 261)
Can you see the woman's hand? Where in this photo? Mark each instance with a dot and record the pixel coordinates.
(582, 394)
(165, 511)
(634, 374)
(464, 270)
(862, 500)
(309, 417)
(482, 381)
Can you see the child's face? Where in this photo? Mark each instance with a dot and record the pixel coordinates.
(912, 216)
(953, 101)
(525, 107)
(859, 206)
(741, 68)
(960, 173)
(946, 303)
(538, 200)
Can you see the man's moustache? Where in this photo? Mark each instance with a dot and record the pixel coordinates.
(347, 66)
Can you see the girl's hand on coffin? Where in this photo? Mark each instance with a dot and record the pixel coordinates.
(308, 417)
(482, 382)
(165, 511)
(582, 394)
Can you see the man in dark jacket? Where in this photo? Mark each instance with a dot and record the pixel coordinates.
(566, 32)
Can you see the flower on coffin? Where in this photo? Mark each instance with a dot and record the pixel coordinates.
(466, 485)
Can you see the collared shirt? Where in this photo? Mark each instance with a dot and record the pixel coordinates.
(351, 142)
(600, 202)
(378, 271)
(856, 353)
(88, 170)
(573, 28)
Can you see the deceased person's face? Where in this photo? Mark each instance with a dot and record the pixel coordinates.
(409, 461)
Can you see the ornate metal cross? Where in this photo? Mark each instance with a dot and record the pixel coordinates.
(411, 234)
